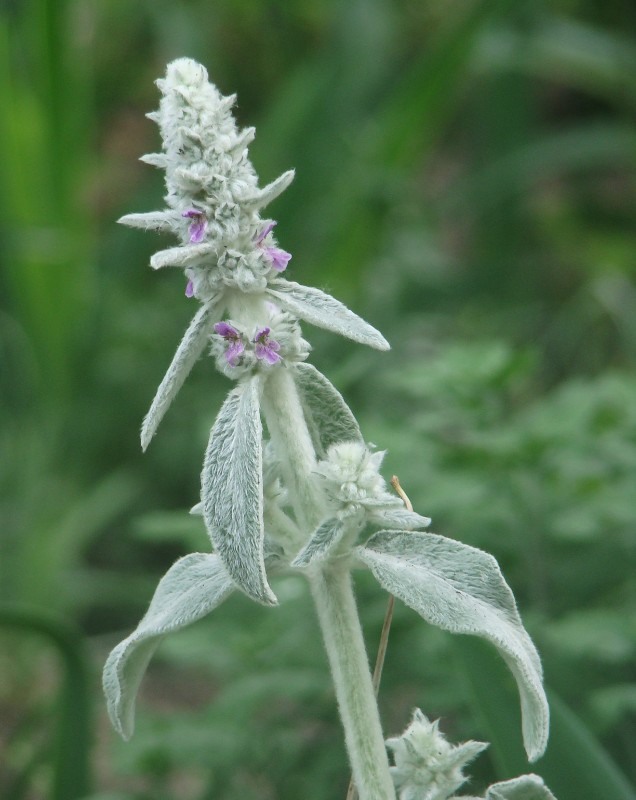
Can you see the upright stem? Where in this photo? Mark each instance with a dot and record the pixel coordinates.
(292, 442)
(333, 595)
(338, 616)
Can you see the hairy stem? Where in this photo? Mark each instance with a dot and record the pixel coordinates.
(288, 431)
(338, 615)
(333, 594)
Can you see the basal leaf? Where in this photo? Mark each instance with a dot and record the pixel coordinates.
(324, 311)
(188, 352)
(328, 417)
(191, 588)
(232, 490)
(461, 589)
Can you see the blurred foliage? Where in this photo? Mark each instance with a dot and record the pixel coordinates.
(466, 181)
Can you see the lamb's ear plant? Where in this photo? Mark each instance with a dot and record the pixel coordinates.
(303, 492)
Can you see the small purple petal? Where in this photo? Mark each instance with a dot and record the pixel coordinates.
(234, 352)
(266, 230)
(225, 330)
(267, 352)
(261, 334)
(199, 225)
(279, 258)
(189, 290)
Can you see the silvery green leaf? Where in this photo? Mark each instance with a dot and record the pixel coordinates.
(244, 138)
(461, 589)
(259, 198)
(189, 350)
(399, 518)
(327, 415)
(527, 787)
(322, 540)
(155, 159)
(324, 311)
(181, 256)
(150, 221)
(191, 588)
(232, 490)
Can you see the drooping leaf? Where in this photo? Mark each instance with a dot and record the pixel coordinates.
(191, 588)
(323, 539)
(326, 312)
(232, 490)
(188, 352)
(328, 417)
(461, 589)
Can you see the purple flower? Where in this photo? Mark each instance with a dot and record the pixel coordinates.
(275, 255)
(234, 339)
(189, 290)
(198, 226)
(266, 349)
(266, 231)
(279, 258)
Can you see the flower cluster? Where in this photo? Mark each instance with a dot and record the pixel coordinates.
(240, 350)
(212, 193)
(427, 766)
(351, 475)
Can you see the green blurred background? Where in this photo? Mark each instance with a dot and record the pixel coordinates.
(466, 180)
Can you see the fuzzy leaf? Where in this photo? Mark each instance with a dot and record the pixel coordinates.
(399, 518)
(244, 138)
(461, 589)
(323, 539)
(181, 256)
(192, 587)
(527, 787)
(155, 159)
(164, 221)
(328, 417)
(232, 490)
(259, 198)
(324, 311)
(191, 347)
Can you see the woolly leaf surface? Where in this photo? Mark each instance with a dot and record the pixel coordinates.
(328, 417)
(326, 312)
(461, 589)
(323, 539)
(232, 490)
(189, 350)
(195, 585)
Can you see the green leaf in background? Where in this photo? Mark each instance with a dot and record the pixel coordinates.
(575, 766)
